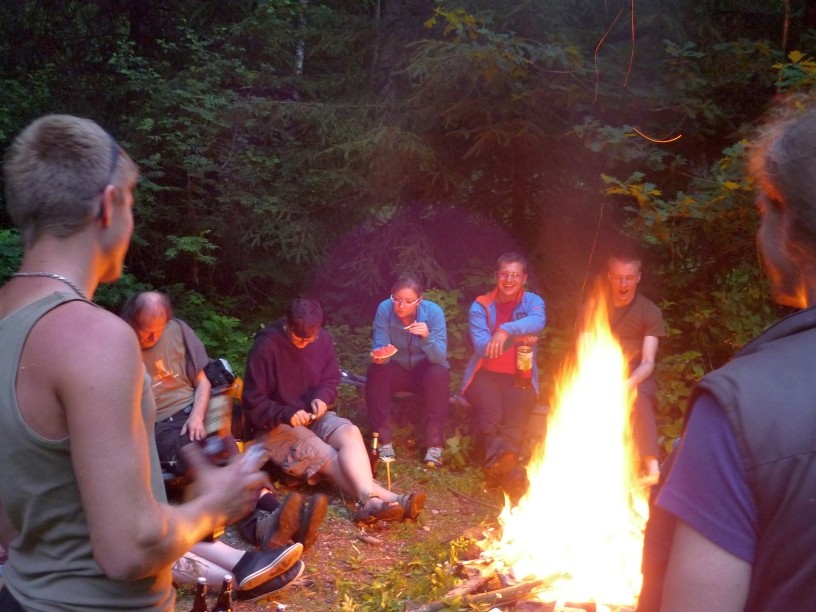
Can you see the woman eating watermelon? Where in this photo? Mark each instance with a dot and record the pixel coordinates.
(409, 353)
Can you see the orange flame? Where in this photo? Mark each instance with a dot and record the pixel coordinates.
(584, 514)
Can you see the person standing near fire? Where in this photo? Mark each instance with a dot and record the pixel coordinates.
(741, 486)
(501, 321)
(83, 512)
(638, 325)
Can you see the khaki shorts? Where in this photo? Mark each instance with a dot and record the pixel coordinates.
(303, 451)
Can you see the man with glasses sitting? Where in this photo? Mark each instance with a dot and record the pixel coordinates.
(290, 384)
(501, 321)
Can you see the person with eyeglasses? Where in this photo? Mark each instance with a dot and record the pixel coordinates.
(290, 385)
(416, 328)
(499, 322)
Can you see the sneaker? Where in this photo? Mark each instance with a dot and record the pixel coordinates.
(277, 529)
(258, 566)
(387, 451)
(274, 585)
(310, 519)
(433, 457)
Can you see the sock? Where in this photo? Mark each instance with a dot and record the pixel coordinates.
(268, 502)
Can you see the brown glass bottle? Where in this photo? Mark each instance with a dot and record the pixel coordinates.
(524, 366)
(224, 601)
(200, 599)
(374, 453)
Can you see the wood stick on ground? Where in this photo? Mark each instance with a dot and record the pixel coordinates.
(369, 539)
(500, 596)
(474, 500)
(512, 593)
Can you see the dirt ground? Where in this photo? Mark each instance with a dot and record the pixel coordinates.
(342, 569)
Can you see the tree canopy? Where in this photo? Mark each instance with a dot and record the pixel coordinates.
(292, 147)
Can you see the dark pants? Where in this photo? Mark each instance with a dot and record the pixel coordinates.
(657, 542)
(169, 442)
(430, 381)
(502, 411)
(8, 603)
(644, 426)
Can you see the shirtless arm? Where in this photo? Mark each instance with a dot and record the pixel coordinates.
(703, 576)
(90, 365)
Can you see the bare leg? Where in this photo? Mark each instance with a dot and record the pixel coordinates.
(187, 569)
(349, 468)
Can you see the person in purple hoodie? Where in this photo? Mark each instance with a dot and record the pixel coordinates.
(290, 385)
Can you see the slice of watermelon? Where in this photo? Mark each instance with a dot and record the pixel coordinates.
(384, 352)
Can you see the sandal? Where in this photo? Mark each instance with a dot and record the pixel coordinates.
(384, 511)
(412, 504)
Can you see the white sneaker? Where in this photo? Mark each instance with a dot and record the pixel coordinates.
(387, 452)
(433, 457)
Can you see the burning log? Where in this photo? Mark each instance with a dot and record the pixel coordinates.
(465, 592)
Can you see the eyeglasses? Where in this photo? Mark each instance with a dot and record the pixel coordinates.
(300, 339)
(401, 302)
(510, 275)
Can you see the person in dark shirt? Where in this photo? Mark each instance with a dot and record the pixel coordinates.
(741, 486)
(290, 384)
(638, 325)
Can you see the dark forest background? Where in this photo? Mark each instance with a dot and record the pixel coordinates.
(305, 147)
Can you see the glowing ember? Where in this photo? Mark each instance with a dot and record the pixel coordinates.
(584, 514)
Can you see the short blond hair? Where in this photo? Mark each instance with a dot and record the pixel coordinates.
(55, 172)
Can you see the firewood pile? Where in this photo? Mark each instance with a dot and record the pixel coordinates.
(487, 582)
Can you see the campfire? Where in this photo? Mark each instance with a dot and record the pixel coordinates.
(577, 534)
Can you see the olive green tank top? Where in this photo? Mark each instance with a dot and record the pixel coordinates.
(51, 565)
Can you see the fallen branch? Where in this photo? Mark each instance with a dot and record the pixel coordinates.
(512, 593)
(505, 595)
(499, 596)
(474, 500)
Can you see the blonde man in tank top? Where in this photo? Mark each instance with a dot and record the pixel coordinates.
(82, 506)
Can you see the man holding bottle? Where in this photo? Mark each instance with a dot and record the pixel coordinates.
(504, 326)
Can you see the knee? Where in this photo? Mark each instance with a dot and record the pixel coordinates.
(348, 433)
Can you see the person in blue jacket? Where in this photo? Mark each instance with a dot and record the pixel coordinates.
(416, 328)
(501, 321)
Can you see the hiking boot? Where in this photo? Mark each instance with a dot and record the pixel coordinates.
(500, 466)
(433, 457)
(412, 504)
(387, 452)
(258, 566)
(274, 585)
(276, 529)
(310, 519)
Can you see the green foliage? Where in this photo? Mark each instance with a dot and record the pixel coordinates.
(223, 336)
(458, 449)
(323, 148)
(11, 252)
(353, 346)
